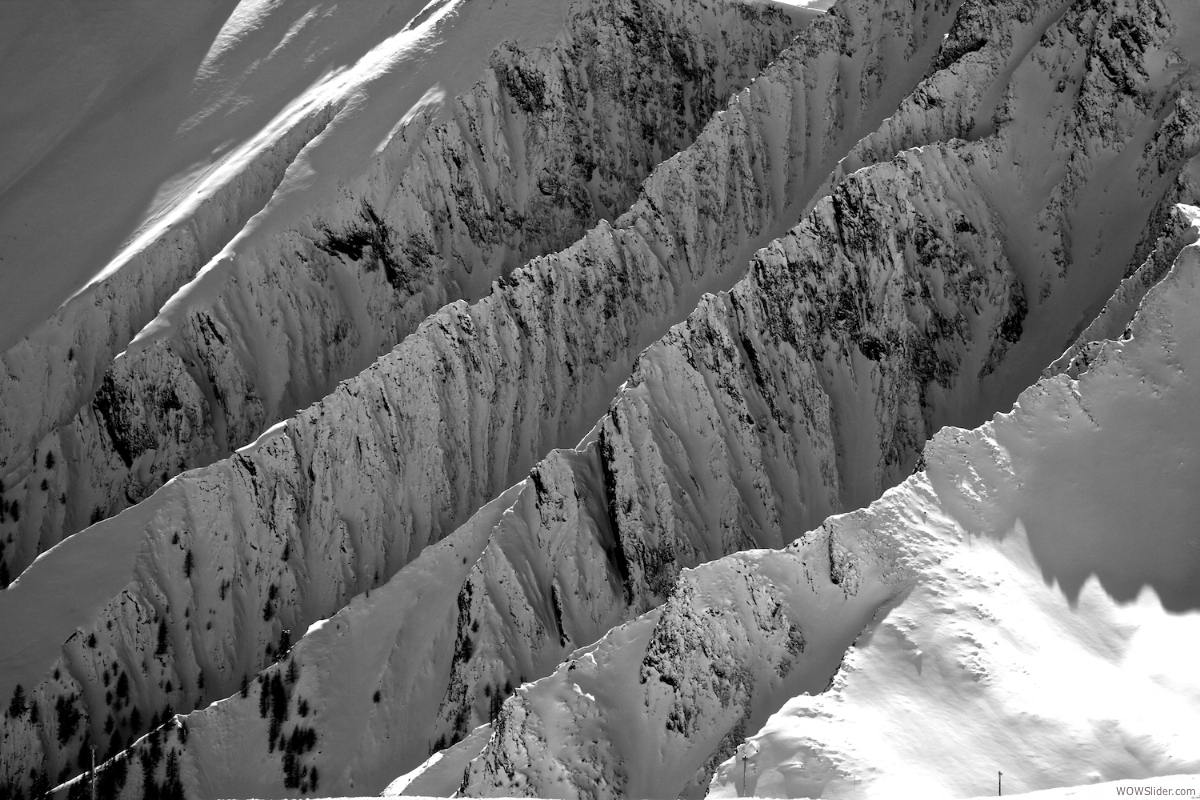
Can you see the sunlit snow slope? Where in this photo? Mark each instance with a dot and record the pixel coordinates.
(1050, 629)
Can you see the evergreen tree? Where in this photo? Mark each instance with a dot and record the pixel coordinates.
(161, 648)
(16, 706)
(173, 788)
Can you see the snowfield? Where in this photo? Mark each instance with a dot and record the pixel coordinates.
(165, 108)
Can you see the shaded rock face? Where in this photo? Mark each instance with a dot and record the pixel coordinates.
(549, 142)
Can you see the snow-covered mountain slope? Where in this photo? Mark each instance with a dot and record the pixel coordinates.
(93, 96)
(451, 502)
(1074, 128)
(1162, 786)
(188, 154)
(168, 404)
(1179, 228)
(1167, 244)
(1014, 622)
(922, 291)
(807, 389)
(750, 397)
(400, 514)
(392, 211)
(1078, 675)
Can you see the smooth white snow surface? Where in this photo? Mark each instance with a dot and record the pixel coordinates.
(1167, 786)
(442, 773)
(93, 94)
(1053, 632)
(63, 591)
(172, 102)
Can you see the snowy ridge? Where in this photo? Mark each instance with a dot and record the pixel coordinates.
(1093, 127)
(684, 683)
(615, 783)
(1181, 228)
(290, 493)
(266, 107)
(51, 372)
(533, 155)
(968, 78)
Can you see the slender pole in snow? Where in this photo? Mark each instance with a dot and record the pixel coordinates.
(744, 760)
(999, 783)
(93, 772)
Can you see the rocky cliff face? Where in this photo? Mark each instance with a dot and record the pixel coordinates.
(547, 143)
